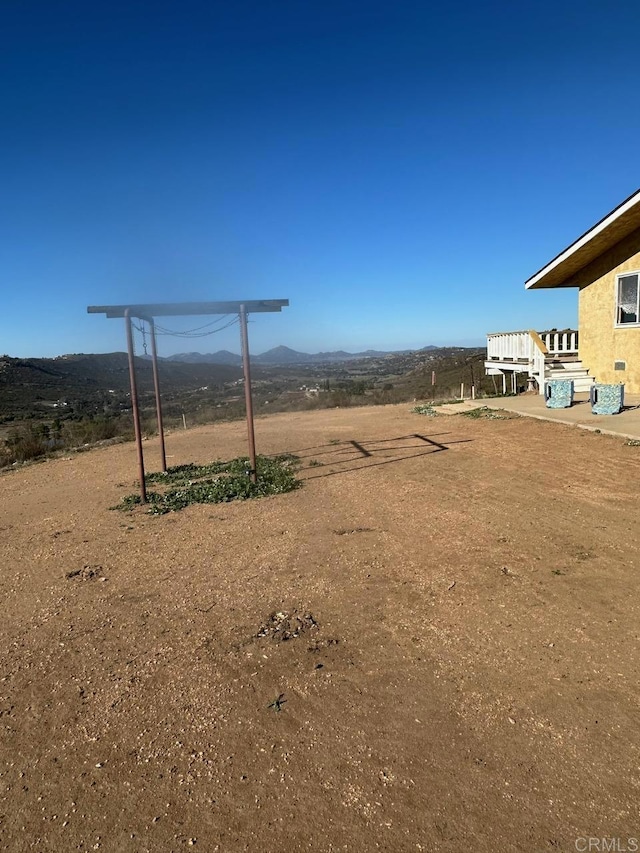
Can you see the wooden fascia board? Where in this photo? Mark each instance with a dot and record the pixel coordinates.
(613, 228)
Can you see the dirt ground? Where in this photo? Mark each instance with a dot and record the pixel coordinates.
(432, 645)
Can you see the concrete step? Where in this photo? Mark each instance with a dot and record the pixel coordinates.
(582, 383)
(566, 374)
(580, 375)
(563, 365)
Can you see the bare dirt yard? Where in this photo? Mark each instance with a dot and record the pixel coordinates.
(432, 645)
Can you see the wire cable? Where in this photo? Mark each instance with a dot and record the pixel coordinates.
(197, 333)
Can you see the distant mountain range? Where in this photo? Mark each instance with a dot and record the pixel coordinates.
(285, 355)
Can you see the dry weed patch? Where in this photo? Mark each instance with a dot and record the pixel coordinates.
(217, 482)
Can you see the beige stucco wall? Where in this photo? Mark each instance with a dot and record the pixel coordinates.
(601, 343)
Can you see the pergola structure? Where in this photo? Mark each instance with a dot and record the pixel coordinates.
(148, 313)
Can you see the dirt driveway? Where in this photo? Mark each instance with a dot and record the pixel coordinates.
(432, 645)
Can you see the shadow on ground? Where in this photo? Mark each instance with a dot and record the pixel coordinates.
(342, 457)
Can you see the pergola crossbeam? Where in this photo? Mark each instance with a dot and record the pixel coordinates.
(185, 309)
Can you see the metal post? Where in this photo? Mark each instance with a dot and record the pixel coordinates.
(244, 336)
(156, 385)
(134, 406)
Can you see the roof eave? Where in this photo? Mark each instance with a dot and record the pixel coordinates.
(612, 228)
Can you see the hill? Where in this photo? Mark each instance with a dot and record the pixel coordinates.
(286, 355)
(37, 382)
(222, 356)
(76, 386)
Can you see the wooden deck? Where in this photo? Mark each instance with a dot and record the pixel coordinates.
(540, 355)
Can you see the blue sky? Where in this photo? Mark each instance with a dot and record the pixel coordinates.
(395, 169)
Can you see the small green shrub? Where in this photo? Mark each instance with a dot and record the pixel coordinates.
(484, 412)
(26, 442)
(91, 430)
(38, 440)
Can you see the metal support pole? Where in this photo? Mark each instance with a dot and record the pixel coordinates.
(134, 406)
(244, 336)
(156, 385)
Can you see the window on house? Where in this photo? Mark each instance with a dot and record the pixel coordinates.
(627, 307)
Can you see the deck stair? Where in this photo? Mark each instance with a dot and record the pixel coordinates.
(541, 355)
(565, 368)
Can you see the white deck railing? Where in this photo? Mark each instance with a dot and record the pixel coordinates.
(524, 347)
(531, 352)
(561, 343)
(510, 346)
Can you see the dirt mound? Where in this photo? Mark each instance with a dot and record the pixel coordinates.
(282, 625)
(87, 573)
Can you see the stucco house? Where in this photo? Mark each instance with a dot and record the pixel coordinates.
(604, 264)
